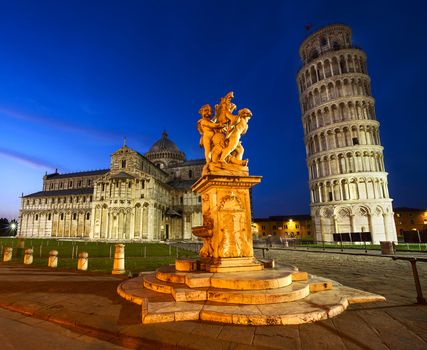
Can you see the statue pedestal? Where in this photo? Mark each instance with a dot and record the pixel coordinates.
(226, 230)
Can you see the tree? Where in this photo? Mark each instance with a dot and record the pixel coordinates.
(8, 228)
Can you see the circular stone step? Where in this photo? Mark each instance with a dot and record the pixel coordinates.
(265, 279)
(295, 291)
(169, 274)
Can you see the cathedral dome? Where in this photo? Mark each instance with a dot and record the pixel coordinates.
(164, 144)
(165, 153)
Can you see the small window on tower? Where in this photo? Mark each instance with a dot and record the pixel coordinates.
(190, 173)
(323, 41)
(124, 163)
(355, 141)
(49, 216)
(74, 216)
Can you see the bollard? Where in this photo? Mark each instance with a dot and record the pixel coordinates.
(7, 253)
(119, 260)
(82, 263)
(28, 256)
(53, 259)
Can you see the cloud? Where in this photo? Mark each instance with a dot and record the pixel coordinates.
(57, 123)
(27, 159)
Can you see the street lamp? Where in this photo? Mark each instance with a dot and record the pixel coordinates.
(13, 226)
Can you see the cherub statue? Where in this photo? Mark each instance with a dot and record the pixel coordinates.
(207, 129)
(235, 132)
(220, 137)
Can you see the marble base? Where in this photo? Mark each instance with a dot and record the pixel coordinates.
(233, 265)
(277, 296)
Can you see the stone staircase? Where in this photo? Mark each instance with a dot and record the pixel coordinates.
(280, 295)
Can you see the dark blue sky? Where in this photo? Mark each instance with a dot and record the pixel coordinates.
(78, 76)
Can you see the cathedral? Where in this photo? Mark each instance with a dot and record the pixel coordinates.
(140, 197)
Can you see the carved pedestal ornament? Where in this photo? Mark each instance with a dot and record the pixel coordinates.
(224, 186)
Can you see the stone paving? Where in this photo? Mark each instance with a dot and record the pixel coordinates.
(88, 304)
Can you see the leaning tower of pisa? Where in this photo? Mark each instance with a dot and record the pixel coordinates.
(348, 183)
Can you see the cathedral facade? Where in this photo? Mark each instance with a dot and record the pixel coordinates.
(140, 197)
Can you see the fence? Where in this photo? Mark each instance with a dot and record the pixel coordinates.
(341, 245)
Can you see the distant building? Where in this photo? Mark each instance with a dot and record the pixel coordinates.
(410, 219)
(140, 197)
(289, 226)
(347, 179)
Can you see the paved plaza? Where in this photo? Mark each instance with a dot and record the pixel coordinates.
(91, 314)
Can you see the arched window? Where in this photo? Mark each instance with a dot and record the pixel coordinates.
(87, 216)
(62, 216)
(323, 41)
(190, 173)
(37, 217)
(74, 216)
(123, 163)
(314, 54)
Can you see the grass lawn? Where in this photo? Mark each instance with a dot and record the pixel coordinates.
(138, 256)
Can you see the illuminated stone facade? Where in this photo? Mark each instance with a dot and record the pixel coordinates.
(348, 182)
(410, 219)
(289, 226)
(138, 198)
